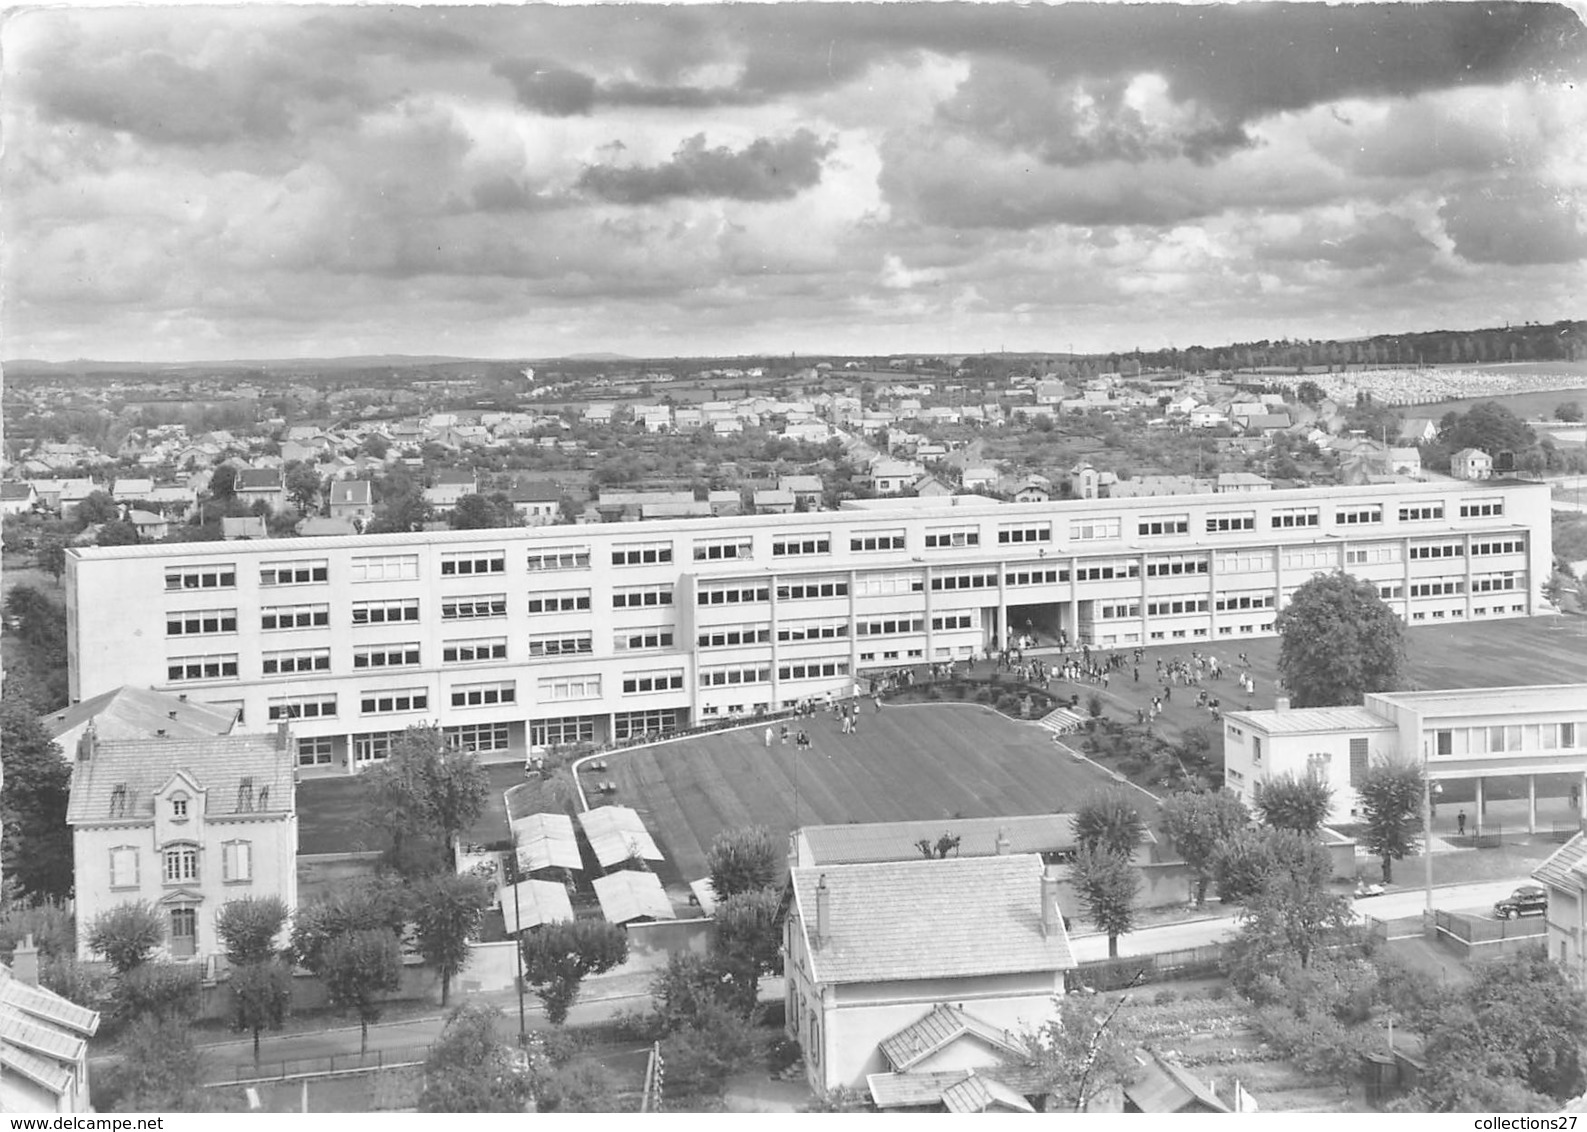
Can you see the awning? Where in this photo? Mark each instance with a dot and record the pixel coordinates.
(628, 895)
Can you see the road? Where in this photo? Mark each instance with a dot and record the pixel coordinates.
(1478, 896)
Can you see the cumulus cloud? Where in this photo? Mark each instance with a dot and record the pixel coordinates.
(1517, 224)
(546, 88)
(766, 169)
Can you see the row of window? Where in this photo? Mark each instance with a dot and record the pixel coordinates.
(1498, 739)
(181, 864)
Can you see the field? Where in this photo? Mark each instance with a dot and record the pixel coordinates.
(915, 762)
(1533, 406)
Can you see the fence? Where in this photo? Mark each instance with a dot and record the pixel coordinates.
(333, 1065)
(1471, 937)
(1165, 966)
(1401, 927)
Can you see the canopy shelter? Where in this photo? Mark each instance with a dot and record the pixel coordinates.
(617, 834)
(546, 841)
(628, 895)
(530, 903)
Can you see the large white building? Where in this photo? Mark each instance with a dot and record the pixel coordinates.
(533, 637)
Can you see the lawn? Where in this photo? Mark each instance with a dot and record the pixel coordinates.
(331, 813)
(915, 762)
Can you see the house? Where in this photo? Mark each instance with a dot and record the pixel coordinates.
(979, 477)
(1564, 875)
(132, 490)
(173, 497)
(1471, 464)
(539, 502)
(17, 498)
(139, 713)
(1242, 483)
(807, 491)
(1031, 492)
(185, 824)
(771, 501)
(150, 526)
(894, 477)
(74, 491)
(262, 484)
(930, 487)
(1205, 416)
(724, 502)
(353, 500)
(1405, 462)
(43, 1041)
(450, 485)
(1163, 1086)
(867, 983)
(243, 527)
(1050, 392)
(1418, 430)
(1266, 424)
(599, 414)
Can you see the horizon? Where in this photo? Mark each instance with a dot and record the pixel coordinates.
(190, 185)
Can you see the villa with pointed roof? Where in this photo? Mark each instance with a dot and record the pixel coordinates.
(185, 824)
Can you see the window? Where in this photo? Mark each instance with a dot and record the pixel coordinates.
(1256, 749)
(890, 627)
(1355, 516)
(1372, 555)
(559, 558)
(561, 644)
(954, 621)
(389, 702)
(632, 724)
(1174, 567)
(474, 651)
(276, 617)
(181, 864)
(1104, 570)
(732, 595)
(1358, 760)
(721, 550)
(635, 597)
(813, 671)
(1039, 577)
(474, 607)
(385, 568)
(484, 695)
(1442, 588)
(561, 731)
(201, 577)
(1482, 508)
(812, 630)
(789, 546)
(1495, 583)
(887, 585)
(236, 861)
(185, 669)
(1438, 550)
(298, 573)
(179, 807)
(385, 612)
(1389, 590)
(728, 636)
(1092, 530)
(1225, 521)
(1025, 533)
(641, 553)
(184, 933)
(944, 538)
(1504, 546)
(1310, 558)
(124, 867)
(373, 746)
(479, 736)
(865, 541)
(320, 705)
(317, 751)
(1567, 735)
(461, 563)
(731, 675)
(1245, 562)
(1445, 742)
(638, 683)
(1167, 608)
(584, 687)
(202, 622)
(634, 640)
(1254, 599)
(387, 656)
(1287, 517)
(1110, 611)
(964, 581)
(289, 661)
(1421, 512)
(805, 591)
(1155, 525)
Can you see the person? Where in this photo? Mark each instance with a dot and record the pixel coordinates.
(1575, 797)
(768, 738)
(878, 699)
(785, 734)
(1460, 823)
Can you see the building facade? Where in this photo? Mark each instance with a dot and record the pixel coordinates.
(521, 638)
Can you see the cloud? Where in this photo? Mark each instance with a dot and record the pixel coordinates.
(547, 88)
(1517, 224)
(766, 169)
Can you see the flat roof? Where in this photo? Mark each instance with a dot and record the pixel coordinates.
(1294, 721)
(1489, 701)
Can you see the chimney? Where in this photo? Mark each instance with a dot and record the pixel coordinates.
(1281, 703)
(1051, 919)
(823, 910)
(86, 743)
(1002, 844)
(25, 962)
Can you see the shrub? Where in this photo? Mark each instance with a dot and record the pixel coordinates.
(1164, 997)
(984, 696)
(1218, 993)
(1094, 706)
(934, 693)
(50, 925)
(781, 1054)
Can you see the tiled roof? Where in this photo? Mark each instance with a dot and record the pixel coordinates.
(140, 713)
(895, 840)
(628, 895)
(1162, 1086)
(957, 918)
(455, 477)
(977, 1094)
(1565, 866)
(922, 1090)
(16, 491)
(135, 769)
(258, 479)
(942, 1027)
(354, 492)
(42, 1035)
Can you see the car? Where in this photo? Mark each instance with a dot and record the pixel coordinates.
(1528, 900)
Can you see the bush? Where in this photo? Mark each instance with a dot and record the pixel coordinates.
(782, 1053)
(636, 1026)
(1094, 706)
(50, 925)
(1218, 993)
(74, 981)
(984, 696)
(934, 693)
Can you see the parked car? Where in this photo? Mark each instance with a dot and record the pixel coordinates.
(1528, 900)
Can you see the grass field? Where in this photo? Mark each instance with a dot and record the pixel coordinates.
(916, 762)
(1538, 405)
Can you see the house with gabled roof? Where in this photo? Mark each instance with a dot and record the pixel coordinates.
(450, 485)
(267, 484)
(43, 1041)
(874, 952)
(185, 824)
(352, 499)
(17, 498)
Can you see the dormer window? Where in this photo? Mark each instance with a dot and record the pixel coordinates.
(179, 807)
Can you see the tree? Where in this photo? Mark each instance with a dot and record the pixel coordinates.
(687, 987)
(1391, 801)
(1082, 1052)
(558, 957)
(1291, 911)
(1109, 821)
(261, 993)
(158, 990)
(1489, 426)
(248, 927)
(1299, 804)
(117, 533)
(160, 1069)
(223, 483)
(1200, 823)
(303, 484)
(1107, 885)
(52, 554)
(126, 935)
(36, 843)
(699, 1058)
(96, 507)
(475, 512)
(447, 910)
(749, 940)
(425, 794)
(359, 966)
(741, 860)
(472, 1069)
(1339, 641)
(1309, 393)
(375, 445)
(366, 905)
(1568, 411)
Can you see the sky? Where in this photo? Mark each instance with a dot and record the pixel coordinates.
(188, 183)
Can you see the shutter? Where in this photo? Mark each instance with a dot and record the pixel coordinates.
(244, 860)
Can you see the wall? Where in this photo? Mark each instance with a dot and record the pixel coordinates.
(651, 944)
(308, 993)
